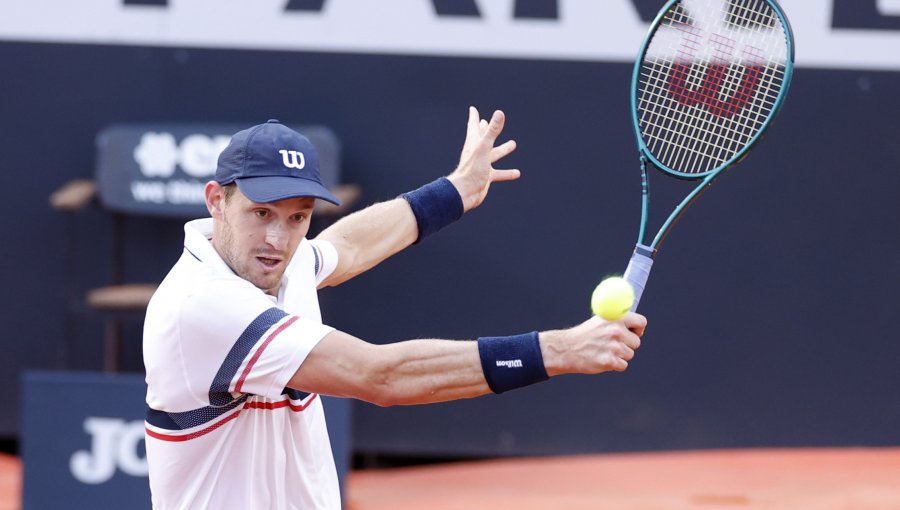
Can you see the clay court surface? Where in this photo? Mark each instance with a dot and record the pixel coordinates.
(772, 479)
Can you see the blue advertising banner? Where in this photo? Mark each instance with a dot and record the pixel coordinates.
(83, 440)
(160, 169)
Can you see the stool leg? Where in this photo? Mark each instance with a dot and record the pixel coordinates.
(113, 345)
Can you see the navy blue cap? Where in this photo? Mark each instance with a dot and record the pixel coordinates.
(271, 162)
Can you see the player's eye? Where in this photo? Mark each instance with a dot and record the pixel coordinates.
(299, 217)
(261, 213)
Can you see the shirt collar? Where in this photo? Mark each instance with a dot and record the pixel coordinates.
(197, 235)
(197, 241)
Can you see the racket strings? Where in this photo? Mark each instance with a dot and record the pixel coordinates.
(742, 16)
(699, 135)
(709, 81)
(701, 144)
(669, 129)
(701, 139)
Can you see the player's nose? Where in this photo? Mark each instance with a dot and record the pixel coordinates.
(276, 235)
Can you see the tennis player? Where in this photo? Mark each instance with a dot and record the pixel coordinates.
(236, 353)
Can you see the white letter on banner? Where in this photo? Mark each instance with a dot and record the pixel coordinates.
(198, 154)
(98, 465)
(114, 443)
(131, 436)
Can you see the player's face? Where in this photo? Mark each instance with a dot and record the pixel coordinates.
(258, 240)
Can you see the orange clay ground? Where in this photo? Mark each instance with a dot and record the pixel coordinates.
(771, 479)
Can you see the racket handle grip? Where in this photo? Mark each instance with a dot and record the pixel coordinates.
(638, 271)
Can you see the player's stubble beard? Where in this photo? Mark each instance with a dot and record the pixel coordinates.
(230, 252)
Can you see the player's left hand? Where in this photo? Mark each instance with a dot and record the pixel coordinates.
(475, 172)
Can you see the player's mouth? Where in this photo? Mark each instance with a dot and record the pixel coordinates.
(269, 263)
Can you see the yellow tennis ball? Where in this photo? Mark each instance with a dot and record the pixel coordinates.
(612, 298)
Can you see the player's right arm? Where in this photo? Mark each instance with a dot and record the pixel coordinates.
(426, 371)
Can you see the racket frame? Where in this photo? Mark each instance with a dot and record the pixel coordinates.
(710, 175)
(639, 266)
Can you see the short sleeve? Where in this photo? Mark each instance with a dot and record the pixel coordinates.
(234, 340)
(326, 259)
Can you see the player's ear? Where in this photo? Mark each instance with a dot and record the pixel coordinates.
(215, 199)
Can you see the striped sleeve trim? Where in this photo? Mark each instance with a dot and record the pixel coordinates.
(163, 426)
(318, 256)
(219, 393)
(325, 259)
(239, 387)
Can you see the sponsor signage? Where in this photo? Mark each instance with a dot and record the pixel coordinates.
(851, 34)
(83, 440)
(161, 169)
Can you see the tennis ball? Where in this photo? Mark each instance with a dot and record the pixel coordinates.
(612, 298)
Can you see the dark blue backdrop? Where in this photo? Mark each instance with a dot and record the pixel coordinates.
(772, 307)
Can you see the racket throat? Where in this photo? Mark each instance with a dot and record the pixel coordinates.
(645, 200)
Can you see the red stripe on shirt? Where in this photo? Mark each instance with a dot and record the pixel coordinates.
(282, 403)
(266, 406)
(259, 351)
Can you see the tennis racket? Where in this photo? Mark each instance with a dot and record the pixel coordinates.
(709, 79)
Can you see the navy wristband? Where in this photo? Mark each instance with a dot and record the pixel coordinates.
(435, 205)
(510, 362)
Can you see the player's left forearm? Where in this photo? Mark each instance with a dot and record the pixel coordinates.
(366, 238)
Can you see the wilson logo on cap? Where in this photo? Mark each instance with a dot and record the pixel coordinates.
(293, 159)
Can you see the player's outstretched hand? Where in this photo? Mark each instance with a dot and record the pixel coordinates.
(593, 346)
(475, 172)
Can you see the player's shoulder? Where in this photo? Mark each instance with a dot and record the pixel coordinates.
(196, 289)
(223, 294)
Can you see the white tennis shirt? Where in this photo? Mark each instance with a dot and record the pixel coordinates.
(222, 429)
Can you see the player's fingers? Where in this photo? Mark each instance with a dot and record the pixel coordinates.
(611, 360)
(498, 119)
(627, 353)
(501, 151)
(482, 126)
(635, 322)
(631, 340)
(472, 124)
(505, 175)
